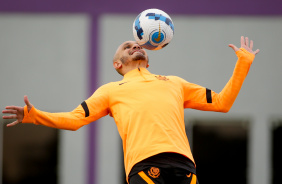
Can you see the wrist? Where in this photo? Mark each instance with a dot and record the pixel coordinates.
(244, 55)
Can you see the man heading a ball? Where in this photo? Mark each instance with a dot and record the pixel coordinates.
(149, 112)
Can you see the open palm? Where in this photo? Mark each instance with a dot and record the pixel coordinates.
(246, 45)
(16, 112)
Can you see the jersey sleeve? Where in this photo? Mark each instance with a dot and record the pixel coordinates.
(198, 97)
(88, 111)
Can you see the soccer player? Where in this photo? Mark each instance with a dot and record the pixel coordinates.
(149, 113)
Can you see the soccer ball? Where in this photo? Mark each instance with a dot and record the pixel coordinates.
(153, 29)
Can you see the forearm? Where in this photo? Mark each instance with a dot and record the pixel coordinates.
(198, 97)
(225, 99)
(65, 120)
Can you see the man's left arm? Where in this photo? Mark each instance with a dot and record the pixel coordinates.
(200, 98)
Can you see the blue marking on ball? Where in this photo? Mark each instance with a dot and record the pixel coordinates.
(155, 37)
(162, 18)
(138, 28)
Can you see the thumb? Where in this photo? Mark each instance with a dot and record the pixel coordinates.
(28, 104)
(233, 47)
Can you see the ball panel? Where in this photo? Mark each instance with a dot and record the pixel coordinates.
(138, 30)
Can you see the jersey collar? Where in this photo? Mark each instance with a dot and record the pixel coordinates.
(138, 72)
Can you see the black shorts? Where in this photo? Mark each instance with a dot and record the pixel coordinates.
(155, 175)
(164, 168)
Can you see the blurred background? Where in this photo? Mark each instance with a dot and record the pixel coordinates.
(59, 52)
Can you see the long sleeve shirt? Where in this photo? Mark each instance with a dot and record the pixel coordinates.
(148, 110)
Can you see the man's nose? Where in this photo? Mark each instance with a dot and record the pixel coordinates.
(136, 46)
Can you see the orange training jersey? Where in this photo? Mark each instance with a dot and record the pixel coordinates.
(148, 110)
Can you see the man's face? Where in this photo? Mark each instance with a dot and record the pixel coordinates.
(130, 51)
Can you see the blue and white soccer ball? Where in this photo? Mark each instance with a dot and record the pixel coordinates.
(153, 29)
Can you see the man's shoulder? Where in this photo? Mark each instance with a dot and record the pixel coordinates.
(174, 77)
(110, 84)
(177, 79)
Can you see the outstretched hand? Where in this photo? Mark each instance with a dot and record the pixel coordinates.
(246, 45)
(17, 112)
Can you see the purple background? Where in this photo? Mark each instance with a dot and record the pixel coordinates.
(97, 7)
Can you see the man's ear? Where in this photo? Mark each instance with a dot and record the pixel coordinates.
(147, 66)
(117, 64)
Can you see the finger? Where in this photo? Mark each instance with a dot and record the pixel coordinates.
(10, 117)
(10, 111)
(26, 101)
(247, 41)
(251, 44)
(242, 41)
(13, 123)
(256, 52)
(233, 47)
(13, 107)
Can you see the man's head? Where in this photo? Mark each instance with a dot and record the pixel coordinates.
(129, 56)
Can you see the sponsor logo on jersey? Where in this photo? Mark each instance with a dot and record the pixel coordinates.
(162, 78)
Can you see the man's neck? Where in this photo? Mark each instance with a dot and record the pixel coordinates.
(134, 65)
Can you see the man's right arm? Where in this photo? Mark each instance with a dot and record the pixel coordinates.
(88, 111)
(63, 120)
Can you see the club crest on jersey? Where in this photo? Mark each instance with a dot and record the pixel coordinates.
(162, 78)
(154, 172)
